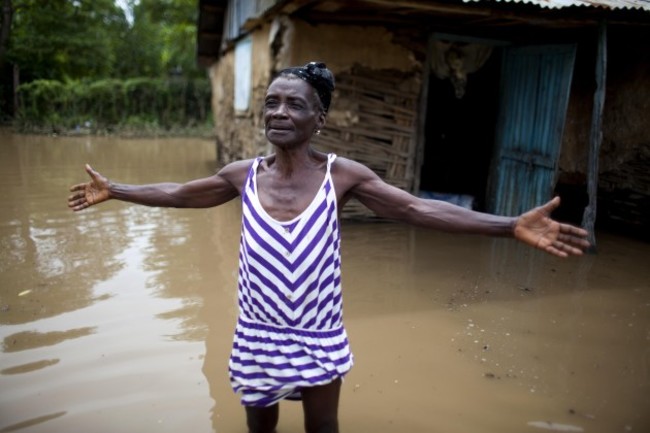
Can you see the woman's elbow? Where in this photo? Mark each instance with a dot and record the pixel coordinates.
(404, 213)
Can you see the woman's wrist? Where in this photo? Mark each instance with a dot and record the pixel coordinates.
(113, 190)
(513, 226)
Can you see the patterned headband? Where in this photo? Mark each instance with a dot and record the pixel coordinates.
(318, 76)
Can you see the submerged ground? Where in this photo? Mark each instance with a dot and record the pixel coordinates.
(120, 318)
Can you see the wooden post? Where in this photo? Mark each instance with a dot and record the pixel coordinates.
(418, 157)
(596, 135)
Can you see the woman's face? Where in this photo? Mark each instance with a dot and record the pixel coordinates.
(291, 112)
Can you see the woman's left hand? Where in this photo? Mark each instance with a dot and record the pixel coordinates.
(90, 193)
(537, 229)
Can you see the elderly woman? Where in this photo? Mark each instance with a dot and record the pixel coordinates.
(289, 341)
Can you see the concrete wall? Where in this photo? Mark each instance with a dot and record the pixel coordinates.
(341, 47)
(240, 134)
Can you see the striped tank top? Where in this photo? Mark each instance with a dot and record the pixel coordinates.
(289, 333)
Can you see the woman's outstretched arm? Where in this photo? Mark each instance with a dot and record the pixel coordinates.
(535, 227)
(207, 192)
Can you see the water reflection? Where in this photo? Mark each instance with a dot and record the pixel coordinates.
(31, 366)
(90, 302)
(120, 318)
(31, 422)
(29, 339)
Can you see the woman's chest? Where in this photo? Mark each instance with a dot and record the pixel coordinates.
(286, 199)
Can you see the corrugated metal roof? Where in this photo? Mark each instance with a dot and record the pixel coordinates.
(558, 4)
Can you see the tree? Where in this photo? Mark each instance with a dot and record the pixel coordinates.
(65, 39)
(138, 51)
(175, 21)
(6, 73)
(5, 29)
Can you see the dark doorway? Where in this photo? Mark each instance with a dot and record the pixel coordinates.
(459, 135)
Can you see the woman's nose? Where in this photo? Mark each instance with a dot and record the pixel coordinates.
(280, 110)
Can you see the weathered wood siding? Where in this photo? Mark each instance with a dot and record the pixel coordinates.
(375, 125)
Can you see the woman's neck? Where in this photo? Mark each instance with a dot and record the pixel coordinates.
(286, 162)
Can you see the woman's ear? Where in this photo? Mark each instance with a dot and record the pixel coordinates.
(320, 123)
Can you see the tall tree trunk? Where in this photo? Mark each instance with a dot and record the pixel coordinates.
(5, 30)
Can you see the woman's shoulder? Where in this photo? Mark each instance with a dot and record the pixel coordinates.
(349, 174)
(236, 171)
(350, 167)
(237, 166)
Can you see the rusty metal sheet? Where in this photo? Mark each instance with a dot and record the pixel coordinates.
(558, 4)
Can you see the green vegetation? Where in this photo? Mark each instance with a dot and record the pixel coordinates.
(90, 66)
(135, 106)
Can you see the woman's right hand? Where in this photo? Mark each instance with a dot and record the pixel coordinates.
(90, 193)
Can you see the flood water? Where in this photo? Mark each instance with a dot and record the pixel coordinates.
(120, 318)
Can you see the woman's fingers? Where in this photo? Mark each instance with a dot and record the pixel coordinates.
(78, 187)
(574, 236)
(577, 231)
(76, 201)
(77, 194)
(550, 206)
(556, 252)
(565, 245)
(79, 199)
(95, 176)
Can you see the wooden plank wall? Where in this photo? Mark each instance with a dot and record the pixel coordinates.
(624, 197)
(382, 132)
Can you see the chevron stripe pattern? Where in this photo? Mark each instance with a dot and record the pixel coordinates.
(290, 330)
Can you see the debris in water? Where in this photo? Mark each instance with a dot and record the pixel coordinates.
(555, 426)
(25, 292)
(586, 415)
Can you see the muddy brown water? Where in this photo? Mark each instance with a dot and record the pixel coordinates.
(120, 318)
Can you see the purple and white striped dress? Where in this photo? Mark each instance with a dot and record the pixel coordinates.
(290, 332)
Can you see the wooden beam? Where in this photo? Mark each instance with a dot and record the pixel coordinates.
(596, 135)
(420, 142)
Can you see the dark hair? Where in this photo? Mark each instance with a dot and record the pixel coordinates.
(318, 76)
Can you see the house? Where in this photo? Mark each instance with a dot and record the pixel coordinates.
(505, 103)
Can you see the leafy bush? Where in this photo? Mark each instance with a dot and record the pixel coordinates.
(112, 104)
